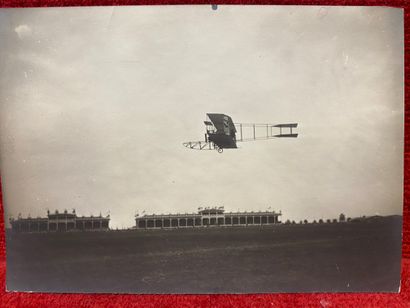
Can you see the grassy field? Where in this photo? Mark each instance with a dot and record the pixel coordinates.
(347, 257)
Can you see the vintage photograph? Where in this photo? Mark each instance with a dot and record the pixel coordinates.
(202, 149)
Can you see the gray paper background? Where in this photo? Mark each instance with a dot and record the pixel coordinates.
(96, 102)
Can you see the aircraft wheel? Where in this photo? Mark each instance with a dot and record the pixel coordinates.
(220, 150)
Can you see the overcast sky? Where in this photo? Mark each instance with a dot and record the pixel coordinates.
(96, 102)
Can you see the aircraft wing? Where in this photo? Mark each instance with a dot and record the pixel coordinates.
(291, 125)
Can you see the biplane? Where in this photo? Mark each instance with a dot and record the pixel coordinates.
(221, 133)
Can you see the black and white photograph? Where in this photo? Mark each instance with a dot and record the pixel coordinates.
(201, 149)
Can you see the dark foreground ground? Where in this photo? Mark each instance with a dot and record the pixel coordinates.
(348, 257)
